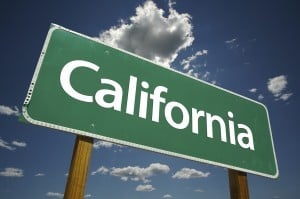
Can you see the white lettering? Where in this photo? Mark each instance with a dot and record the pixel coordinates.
(144, 101)
(65, 77)
(113, 98)
(209, 120)
(131, 95)
(195, 118)
(242, 136)
(231, 128)
(157, 99)
(185, 115)
(117, 93)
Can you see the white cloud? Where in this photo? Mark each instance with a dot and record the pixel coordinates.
(101, 170)
(145, 188)
(103, 144)
(277, 85)
(55, 195)
(19, 144)
(167, 196)
(232, 44)
(231, 41)
(12, 172)
(285, 96)
(253, 90)
(186, 63)
(99, 144)
(187, 173)
(6, 145)
(6, 110)
(137, 173)
(39, 175)
(153, 34)
(199, 190)
(260, 97)
(87, 196)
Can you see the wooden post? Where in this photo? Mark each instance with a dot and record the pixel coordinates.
(238, 184)
(79, 168)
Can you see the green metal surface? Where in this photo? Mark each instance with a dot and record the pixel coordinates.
(48, 104)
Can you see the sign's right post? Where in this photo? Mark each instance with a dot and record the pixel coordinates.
(238, 184)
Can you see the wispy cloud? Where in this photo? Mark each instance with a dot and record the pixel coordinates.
(232, 43)
(187, 173)
(277, 86)
(252, 90)
(167, 196)
(152, 33)
(19, 143)
(186, 63)
(39, 175)
(54, 195)
(260, 97)
(6, 110)
(135, 173)
(4, 144)
(145, 188)
(12, 172)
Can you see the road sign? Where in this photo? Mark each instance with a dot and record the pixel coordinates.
(88, 88)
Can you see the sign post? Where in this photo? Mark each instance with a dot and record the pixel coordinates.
(238, 184)
(78, 171)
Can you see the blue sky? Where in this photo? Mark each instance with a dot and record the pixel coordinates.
(249, 47)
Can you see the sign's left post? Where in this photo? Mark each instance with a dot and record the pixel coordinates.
(78, 171)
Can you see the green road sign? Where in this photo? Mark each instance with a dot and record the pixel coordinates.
(86, 87)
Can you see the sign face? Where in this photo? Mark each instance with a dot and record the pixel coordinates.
(86, 87)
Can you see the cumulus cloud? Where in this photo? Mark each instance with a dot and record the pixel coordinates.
(101, 170)
(277, 85)
(187, 173)
(54, 195)
(12, 172)
(135, 173)
(145, 188)
(152, 33)
(102, 144)
(6, 110)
